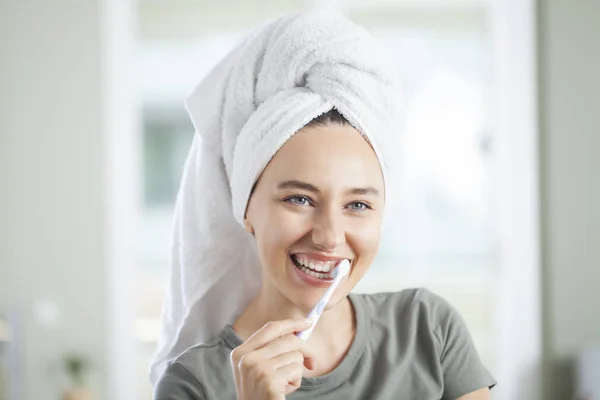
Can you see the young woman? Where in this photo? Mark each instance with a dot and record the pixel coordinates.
(291, 179)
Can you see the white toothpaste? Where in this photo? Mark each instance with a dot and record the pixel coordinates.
(340, 271)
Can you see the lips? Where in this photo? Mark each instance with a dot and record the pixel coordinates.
(315, 266)
(306, 277)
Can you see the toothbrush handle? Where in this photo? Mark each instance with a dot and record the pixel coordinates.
(314, 314)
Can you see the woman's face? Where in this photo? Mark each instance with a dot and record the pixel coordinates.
(319, 200)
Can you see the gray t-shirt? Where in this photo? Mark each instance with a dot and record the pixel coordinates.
(408, 345)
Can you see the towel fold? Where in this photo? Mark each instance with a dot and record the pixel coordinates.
(281, 77)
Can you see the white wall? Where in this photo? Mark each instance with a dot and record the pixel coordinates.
(569, 66)
(53, 226)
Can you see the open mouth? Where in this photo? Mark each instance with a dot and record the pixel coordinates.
(315, 268)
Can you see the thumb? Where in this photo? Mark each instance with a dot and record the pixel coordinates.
(310, 363)
(309, 356)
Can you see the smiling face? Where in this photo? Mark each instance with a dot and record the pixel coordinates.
(320, 199)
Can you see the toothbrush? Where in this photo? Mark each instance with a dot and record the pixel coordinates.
(341, 270)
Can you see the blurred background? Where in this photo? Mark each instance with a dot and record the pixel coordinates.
(499, 207)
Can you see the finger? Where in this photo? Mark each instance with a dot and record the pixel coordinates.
(292, 388)
(282, 360)
(286, 344)
(280, 352)
(290, 376)
(268, 333)
(275, 329)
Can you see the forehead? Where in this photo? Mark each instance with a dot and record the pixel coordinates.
(331, 155)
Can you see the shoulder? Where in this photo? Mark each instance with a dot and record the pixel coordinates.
(425, 329)
(414, 311)
(178, 383)
(197, 370)
(418, 300)
(203, 360)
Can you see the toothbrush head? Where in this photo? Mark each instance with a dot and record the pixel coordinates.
(342, 268)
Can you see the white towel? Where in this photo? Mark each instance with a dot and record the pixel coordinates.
(281, 77)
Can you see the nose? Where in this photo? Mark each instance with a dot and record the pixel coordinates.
(328, 231)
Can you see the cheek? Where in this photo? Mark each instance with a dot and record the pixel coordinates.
(366, 234)
(365, 243)
(277, 232)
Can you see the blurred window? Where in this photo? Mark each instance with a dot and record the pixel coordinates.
(440, 231)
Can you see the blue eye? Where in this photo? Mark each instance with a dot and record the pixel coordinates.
(359, 206)
(298, 200)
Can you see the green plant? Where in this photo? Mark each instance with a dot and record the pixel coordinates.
(76, 367)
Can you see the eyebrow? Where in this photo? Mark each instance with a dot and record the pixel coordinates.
(365, 190)
(295, 184)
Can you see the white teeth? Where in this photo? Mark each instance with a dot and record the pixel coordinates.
(315, 274)
(314, 265)
(318, 269)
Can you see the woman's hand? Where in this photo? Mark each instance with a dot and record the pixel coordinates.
(270, 363)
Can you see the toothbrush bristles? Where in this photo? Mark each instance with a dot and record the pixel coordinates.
(342, 266)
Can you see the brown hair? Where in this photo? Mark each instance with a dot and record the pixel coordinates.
(332, 116)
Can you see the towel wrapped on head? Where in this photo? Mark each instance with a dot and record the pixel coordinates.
(270, 86)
